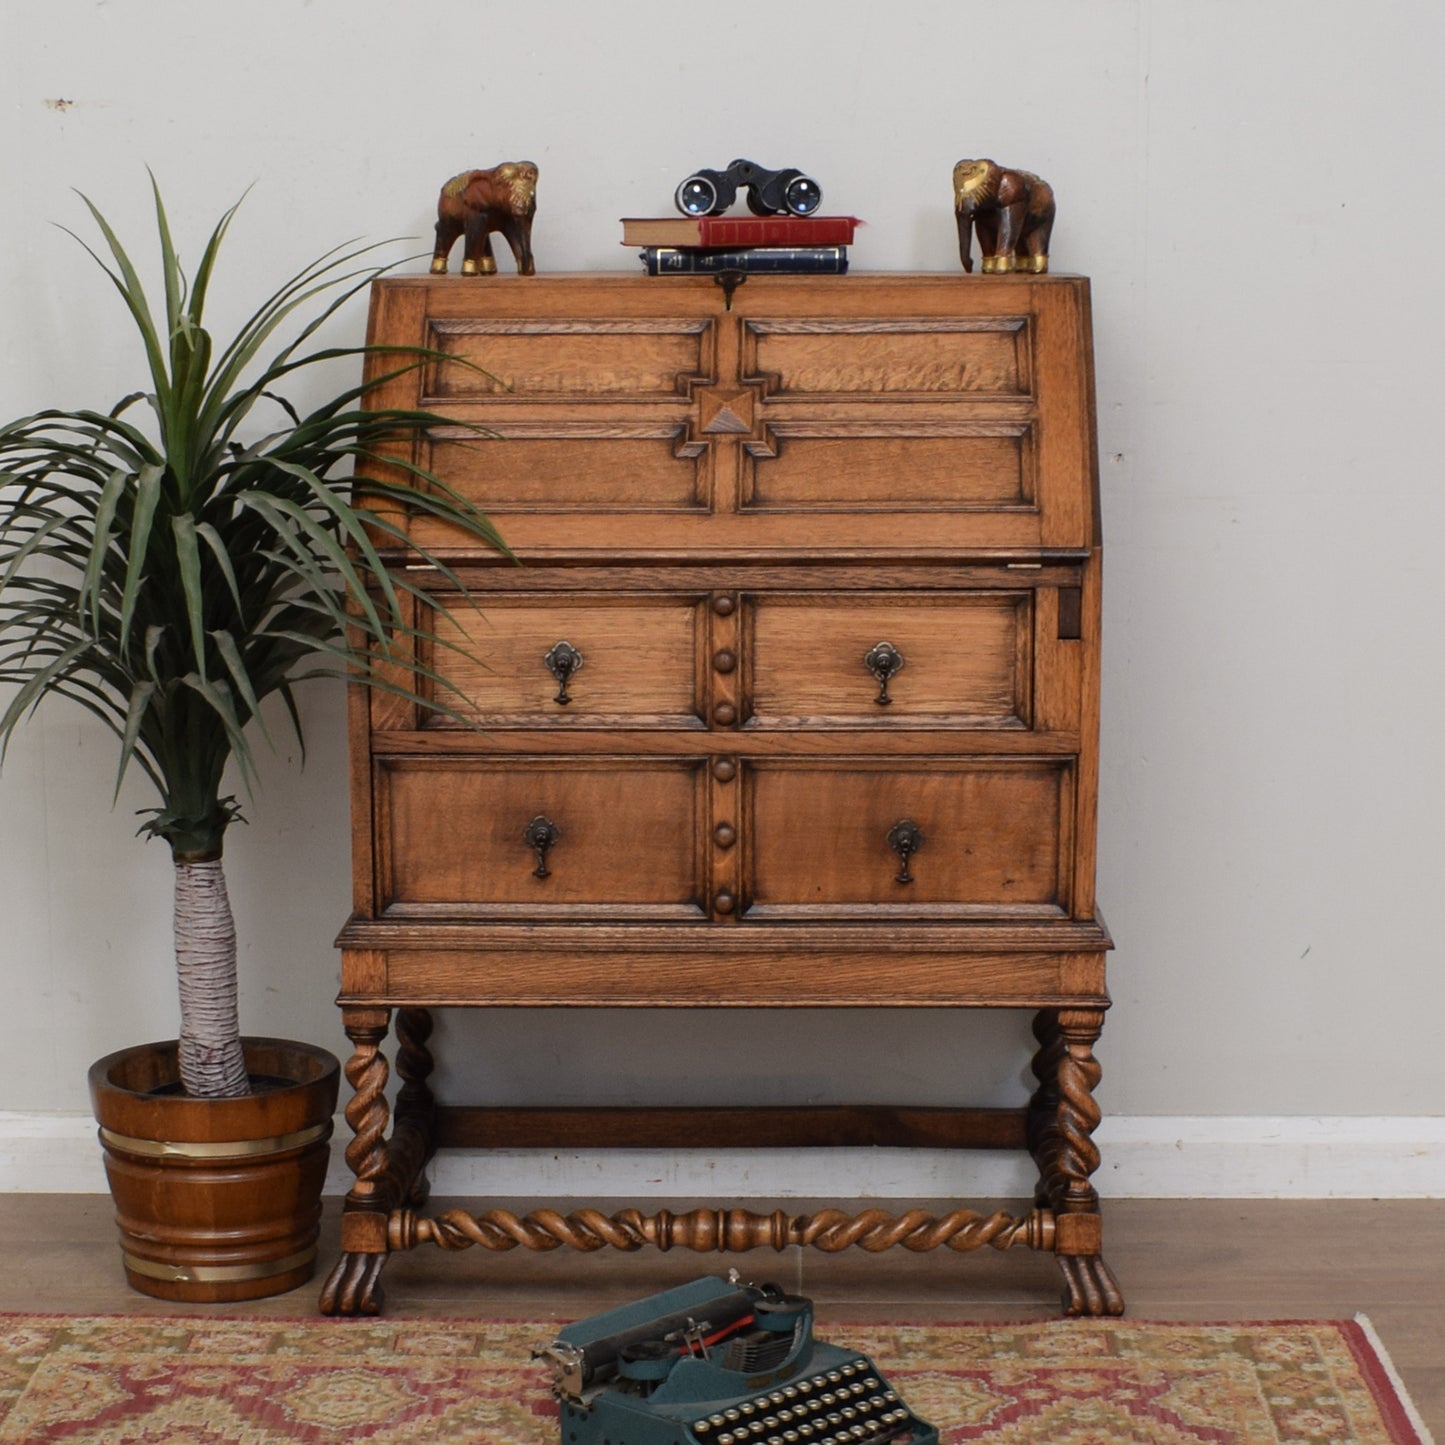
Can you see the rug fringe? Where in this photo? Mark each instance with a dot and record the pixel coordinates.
(1387, 1368)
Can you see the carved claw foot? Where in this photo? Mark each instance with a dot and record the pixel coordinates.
(354, 1286)
(1089, 1287)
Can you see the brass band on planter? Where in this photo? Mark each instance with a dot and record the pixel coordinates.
(216, 1273)
(227, 1149)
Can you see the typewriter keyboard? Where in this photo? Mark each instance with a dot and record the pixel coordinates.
(846, 1406)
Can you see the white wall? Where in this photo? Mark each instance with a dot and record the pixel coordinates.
(1255, 188)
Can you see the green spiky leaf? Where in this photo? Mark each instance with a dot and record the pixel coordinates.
(171, 568)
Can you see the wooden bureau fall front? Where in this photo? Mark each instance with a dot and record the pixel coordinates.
(793, 702)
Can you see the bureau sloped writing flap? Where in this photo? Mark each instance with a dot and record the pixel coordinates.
(639, 416)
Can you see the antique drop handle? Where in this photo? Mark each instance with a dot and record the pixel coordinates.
(562, 661)
(540, 834)
(905, 837)
(885, 662)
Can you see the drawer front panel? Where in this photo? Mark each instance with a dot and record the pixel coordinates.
(992, 836)
(950, 660)
(453, 835)
(639, 661)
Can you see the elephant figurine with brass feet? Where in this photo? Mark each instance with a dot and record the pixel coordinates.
(476, 203)
(1012, 211)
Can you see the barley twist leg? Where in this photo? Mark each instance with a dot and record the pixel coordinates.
(413, 1135)
(1089, 1287)
(1043, 1108)
(353, 1286)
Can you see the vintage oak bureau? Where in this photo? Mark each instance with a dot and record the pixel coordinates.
(792, 703)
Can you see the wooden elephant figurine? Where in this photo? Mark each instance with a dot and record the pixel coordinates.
(1013, 212)
(475, 204)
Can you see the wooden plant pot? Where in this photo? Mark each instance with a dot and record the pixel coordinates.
(216, 1199)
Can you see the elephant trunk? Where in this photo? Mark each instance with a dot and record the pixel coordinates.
(965, 234)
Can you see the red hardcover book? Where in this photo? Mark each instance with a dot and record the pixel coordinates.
(736, 232)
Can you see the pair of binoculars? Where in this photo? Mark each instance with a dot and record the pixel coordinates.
(710, 193)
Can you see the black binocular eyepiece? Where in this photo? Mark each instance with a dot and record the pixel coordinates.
(710, 193)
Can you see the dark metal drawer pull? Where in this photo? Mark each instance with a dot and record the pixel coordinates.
(885, 662)
(905, 837)
(562, 661)
(540, 834)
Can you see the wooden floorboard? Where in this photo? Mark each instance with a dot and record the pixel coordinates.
(1175, 1260)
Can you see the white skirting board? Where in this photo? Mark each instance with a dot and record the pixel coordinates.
(1143, 1158)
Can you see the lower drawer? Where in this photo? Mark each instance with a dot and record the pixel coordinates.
(547, 837)
(593, 837)
(935, 836)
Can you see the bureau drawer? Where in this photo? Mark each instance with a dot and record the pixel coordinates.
(956, 836)
(557, 660)
(961, 659)
(500, 836)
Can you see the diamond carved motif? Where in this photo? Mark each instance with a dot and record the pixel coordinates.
(723, 412)
(726, 412)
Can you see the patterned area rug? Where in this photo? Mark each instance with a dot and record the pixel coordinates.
(207, 1381)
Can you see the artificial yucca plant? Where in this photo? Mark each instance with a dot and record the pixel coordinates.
(171, 563)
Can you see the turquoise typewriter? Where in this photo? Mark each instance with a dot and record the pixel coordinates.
(719, 1362)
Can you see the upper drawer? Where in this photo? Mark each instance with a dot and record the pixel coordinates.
(879, 414)
(936, 659)
(580, 659)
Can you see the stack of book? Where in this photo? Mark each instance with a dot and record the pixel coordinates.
(685, 245)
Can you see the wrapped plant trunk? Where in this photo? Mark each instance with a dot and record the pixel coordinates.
(211, 1061)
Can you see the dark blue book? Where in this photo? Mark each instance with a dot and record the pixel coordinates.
(751, 260)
